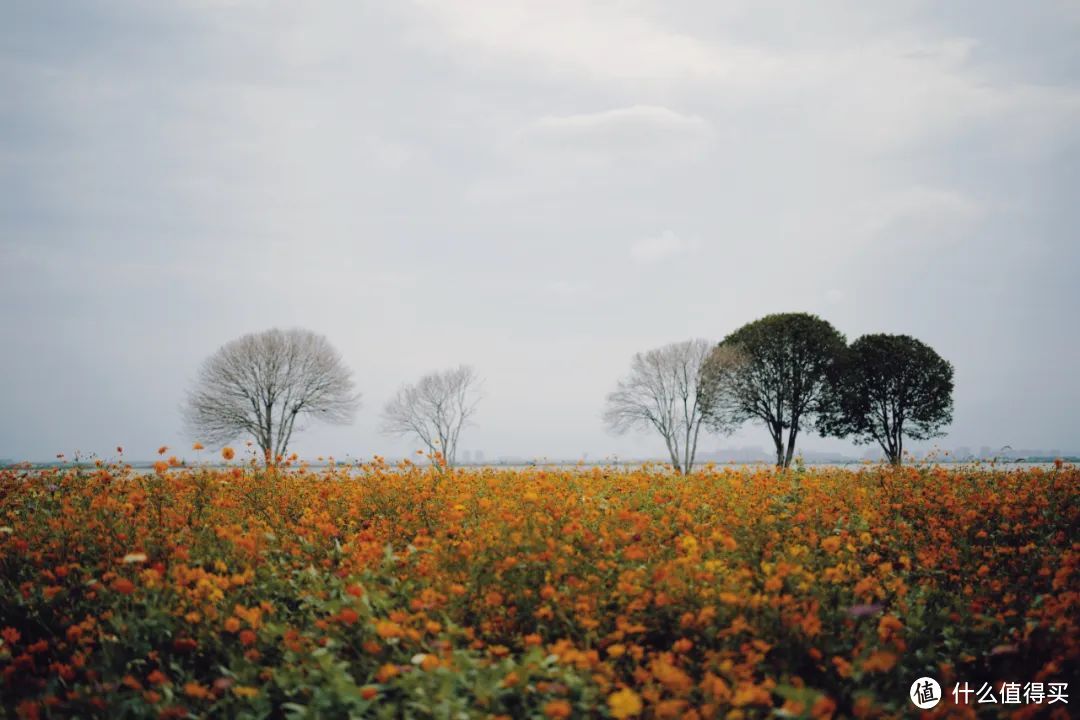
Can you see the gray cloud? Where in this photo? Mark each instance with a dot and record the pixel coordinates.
(538, 189)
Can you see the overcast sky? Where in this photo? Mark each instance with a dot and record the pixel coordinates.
(539, 189)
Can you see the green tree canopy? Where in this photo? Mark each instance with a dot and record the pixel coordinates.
(889, 387)
(774, 370)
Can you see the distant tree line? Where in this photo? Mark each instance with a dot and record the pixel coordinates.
(789, 372)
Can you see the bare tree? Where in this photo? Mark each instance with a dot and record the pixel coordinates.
(261, 383)
(435, 409)
(719, 388)
(663, 392)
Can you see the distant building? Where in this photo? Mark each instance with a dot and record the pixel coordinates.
(466, 457)
(478, 456)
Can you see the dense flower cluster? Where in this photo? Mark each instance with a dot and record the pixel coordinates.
(380, 591)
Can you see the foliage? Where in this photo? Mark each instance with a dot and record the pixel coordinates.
(377, 591)
(886, 388)
(774, 370)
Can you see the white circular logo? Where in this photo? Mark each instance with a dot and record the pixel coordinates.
(925, 693)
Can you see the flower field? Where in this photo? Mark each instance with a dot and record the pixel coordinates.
(408, 591)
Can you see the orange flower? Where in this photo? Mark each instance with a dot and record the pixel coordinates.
(228, 453)
(156, 677)
(879, 661)
(824, 707)
(558, 709)
(197, 446)
(888, 626)
(831, 544)
(386, 629)
(163, 449)
(387, 672)
(443, 572)
(123, 586)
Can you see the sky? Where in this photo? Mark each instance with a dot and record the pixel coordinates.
(538, 189)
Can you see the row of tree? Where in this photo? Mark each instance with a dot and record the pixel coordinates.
(263, 384)
(790, 372)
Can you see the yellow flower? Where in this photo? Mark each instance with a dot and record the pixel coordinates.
(245, 691)
(624, 703)
(689, 544)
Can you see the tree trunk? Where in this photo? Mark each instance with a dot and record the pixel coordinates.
(779, 440)
(791, 446)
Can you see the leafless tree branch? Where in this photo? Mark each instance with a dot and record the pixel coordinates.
(663, 392)
(260, 384)
(435, 409)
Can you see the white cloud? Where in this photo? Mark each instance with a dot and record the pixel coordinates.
(637, 130)
(860, 90)
(631, 124)
(601, 40)
(922, 215)
(583, 152)
(661, 247)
